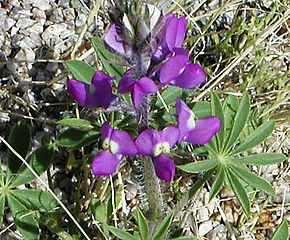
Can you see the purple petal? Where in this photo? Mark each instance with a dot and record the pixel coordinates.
(147, 85)
(106, 130)
(103, 90)
(83, 93)
(164, 167)
(170, 134)
(126, 145)
(192, 75)
(184, 118)
(144, 142)
(113, 41)
(105, 163)
(175, 32)
(171, 69)
(125, 84)
(204, 130)
(136, 95)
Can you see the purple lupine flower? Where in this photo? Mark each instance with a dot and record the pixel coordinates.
(116, 143)
(136, 87)
(171, 36)
(176, 72)
(198, 131)
(155, 143)
(98, 93)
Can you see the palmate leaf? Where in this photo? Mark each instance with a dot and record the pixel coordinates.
(73, 137)
(24, 219)
(239, 190)
(218, 183)
(199, 166)
(161, 229)
(19, 139)
(142, 225)
(239, 121)
(39, 160)
(81, 70)
(201, 109)
(76, 122)
(216, 110)
(121, 234)
(250, 178)
(106, 58)
(282, 232)
(262, 159)
(2, 205)
(169, 95)
(258, 136)
(230, 108)
(35, 199)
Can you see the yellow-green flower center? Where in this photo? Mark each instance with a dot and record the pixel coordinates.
(162, 147)
(111, 145)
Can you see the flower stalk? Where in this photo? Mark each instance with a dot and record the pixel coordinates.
(151, 182)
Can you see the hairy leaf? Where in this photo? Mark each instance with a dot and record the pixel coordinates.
(81, 70)
(161, 229)
(258, 136)
(199, 166)
(262, 159)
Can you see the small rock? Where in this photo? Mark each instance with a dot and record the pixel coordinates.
(204, 228)
(25, 54)
(81, 20)
(64, 3)
(36, 39)
(8, 23)
(69, 14)
(203, 214)
(14, 3)
(39, 15)
(56, 16)
(25, 22)
(41, 4)
(229, 213)
(2, 37)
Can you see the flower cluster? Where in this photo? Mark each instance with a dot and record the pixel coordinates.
(151, 48)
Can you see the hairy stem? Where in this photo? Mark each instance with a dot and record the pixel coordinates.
(151, 182)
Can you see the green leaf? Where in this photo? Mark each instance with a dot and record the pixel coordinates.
(106, 57)
(258, 136)
(99, 210)
(199, 166)
(250, 178)
(142, 225)
(24, 219)
(230, 108)
(201, 109)
(217, 110)
(123, 235)
(72, 137)
(239, 121)
(282, 232)
(169, 95)
(20, 140)
(239, 191)
(161, 229)
(81, 70)
(75, 122)
(184, 238)
(39, 160)
(262, 159)
(218, 183)
(35, 199)
(2, 206)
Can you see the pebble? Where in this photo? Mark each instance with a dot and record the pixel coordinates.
(8, 23)
(25, 22)
(81, 20)
(64, 3)
(205, 228)
(25, 54)
(39, 15)
(69, 14)
(41, 4)
(2, 37)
